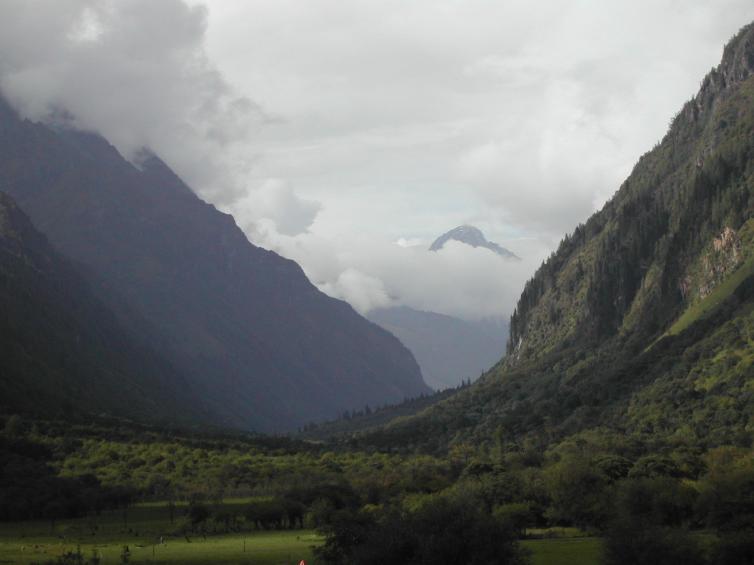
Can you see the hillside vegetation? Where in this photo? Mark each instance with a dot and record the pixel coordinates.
(641, 322)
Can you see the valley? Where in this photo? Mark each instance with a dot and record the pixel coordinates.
(173, 391)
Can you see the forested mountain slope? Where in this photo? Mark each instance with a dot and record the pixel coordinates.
(643, 320)
(257, 341)
(62, 351)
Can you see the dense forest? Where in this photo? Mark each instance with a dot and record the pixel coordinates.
(471, 505)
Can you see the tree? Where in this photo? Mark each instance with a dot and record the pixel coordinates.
(576, 489)
(648, 522)
(198, 513)
(629, 541)
(451, 531)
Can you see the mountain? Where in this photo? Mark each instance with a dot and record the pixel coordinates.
(475, 238)
(258, 343)
(63, 351)
(449, 350)
(641, 324)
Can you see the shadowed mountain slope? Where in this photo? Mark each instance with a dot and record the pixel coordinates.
(258, 342)
(63, 351)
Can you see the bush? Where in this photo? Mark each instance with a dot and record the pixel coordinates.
(734, 549)
(631, 542)
(656, 501)
(442, 530)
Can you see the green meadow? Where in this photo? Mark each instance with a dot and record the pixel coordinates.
(146, 530)
(564, 551)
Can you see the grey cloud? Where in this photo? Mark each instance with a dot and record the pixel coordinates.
(135, 71)
(277, 202)
(580, 89)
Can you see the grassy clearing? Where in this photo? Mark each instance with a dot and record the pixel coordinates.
(142, 530)
(145, 524)
(565, 551)
(262, 548)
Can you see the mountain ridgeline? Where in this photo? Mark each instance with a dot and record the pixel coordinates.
(642, 322)
(257, 344)
(473, 237)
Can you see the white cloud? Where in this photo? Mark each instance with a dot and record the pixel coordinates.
(333, 129)
(362, 291)
(371, 272)
(275, 200)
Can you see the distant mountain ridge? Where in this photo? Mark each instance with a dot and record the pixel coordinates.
(473, 237)
(256, 341)
(449, 350)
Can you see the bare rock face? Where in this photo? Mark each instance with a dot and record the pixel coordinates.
(736, 66)
(721, 258)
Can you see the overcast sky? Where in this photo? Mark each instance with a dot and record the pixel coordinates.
(349, 134)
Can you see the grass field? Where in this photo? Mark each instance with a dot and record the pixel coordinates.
(142, 530)
(564, 551)
(263, 548)
(23, 543)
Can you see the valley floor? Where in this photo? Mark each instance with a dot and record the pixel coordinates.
(145, 534)
(25, 543)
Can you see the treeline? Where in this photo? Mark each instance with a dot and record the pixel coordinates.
(685, 508)
(687, 389)
(31, 489)
(353, 421)
(652, 501)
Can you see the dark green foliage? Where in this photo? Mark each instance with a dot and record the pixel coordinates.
(655, 465)
(443, 531)
(198, 513)
(727, 498)
(654, 501)
(276, 513)
(613, 467)
(734, 549)
(647, 524)
(629, 543)
(30, 488)
(577, 490)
